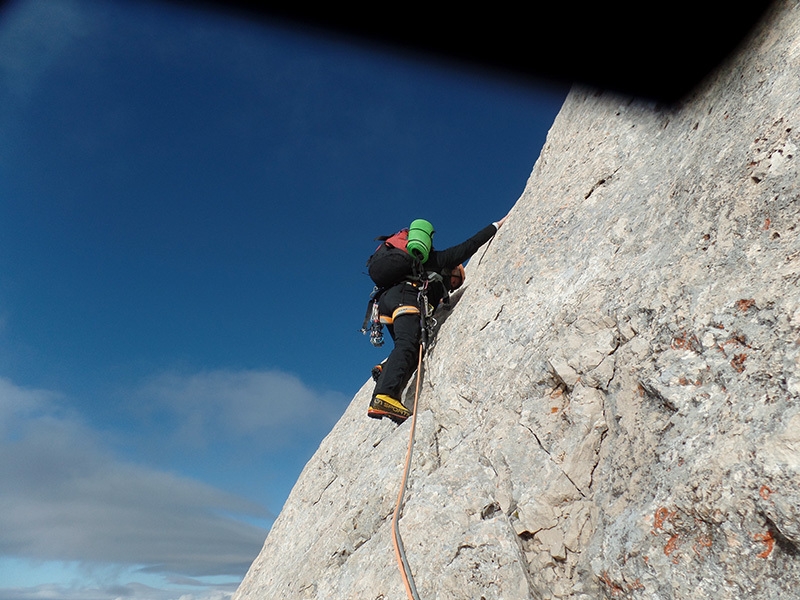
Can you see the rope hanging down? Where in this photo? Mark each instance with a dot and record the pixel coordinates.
(399, 550)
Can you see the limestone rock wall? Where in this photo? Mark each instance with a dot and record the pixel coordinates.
(612, 407)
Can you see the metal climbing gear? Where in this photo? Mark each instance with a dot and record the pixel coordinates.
(376, 327)
(426, 320)
(373, 319)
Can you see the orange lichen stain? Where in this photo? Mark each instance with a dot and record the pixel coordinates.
(767, 223)
(636, 585)
(662, 516)
(764, 492)
(671, 545)
(744, 304)
(738, 362)
(684, 343)
(736, 338)
(702, 542)
(615, 588)
(554, 409)
(767, 539)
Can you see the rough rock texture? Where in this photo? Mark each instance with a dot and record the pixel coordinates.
(612, 408)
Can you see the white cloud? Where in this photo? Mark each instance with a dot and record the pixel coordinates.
(128, 591)
(65, 496)
(267, 408)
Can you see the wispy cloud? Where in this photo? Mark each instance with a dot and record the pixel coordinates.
(129, 591)
(265, 408)
(66, 497)
(69, 497)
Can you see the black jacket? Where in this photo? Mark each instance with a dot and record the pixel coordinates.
(443, 261)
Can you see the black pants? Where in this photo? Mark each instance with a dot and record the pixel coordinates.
(406, 331)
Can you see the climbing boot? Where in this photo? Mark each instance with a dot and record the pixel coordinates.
(386, 406)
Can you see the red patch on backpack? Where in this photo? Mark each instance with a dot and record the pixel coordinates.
(391, 263)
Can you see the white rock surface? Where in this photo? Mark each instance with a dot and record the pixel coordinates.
(612, 408)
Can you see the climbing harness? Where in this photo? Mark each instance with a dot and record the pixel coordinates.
(374, 321)
(399, 550)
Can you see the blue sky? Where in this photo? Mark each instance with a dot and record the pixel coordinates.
(187, 200)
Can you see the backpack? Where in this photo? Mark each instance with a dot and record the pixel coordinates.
(391, 263)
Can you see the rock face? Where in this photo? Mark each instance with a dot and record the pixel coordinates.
(612, 407)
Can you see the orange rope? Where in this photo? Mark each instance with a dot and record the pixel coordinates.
(399, 551)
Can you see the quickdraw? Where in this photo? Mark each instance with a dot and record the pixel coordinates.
(376, 327)
(373, 319)
(427, 322)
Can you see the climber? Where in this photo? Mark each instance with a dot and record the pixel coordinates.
(399, 306)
